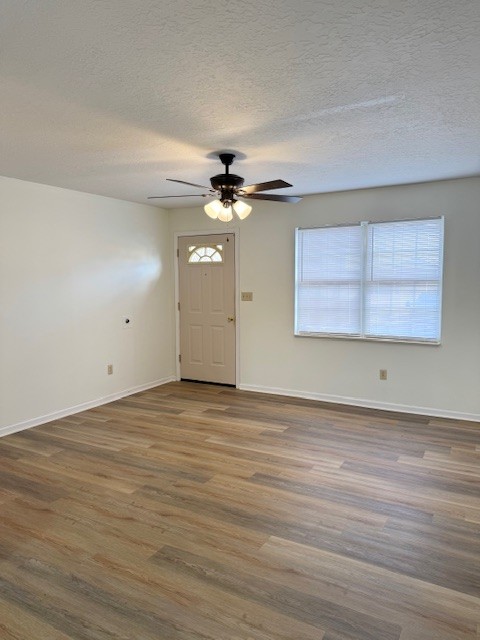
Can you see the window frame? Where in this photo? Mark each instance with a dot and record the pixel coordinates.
(359, 336)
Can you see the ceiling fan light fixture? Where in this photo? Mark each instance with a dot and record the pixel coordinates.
(242, 209)
(213, 209)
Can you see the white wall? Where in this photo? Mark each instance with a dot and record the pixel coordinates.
(442, 380)
(72, 265)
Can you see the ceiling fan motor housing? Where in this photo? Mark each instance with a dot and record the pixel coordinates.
(226, 181)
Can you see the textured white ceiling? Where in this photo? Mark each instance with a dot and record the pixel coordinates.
(114, 96)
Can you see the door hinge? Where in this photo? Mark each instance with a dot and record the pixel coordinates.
(178, 253)
(179, 358)
(178, 306)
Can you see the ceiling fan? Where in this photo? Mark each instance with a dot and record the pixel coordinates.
(227, 187)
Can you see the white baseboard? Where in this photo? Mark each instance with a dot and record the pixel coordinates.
(322, 397)
(360, 402)
(62, 413)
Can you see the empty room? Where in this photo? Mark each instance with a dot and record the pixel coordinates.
(239, 320)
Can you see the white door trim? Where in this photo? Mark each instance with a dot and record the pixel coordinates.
(176, 236)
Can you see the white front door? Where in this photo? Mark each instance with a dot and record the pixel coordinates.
(206, 266)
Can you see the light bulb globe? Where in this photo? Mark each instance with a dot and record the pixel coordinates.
(226, 214)
(242, 209)
(213, 209)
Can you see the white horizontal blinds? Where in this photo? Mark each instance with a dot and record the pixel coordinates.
(374, 280)
(328, 280)
(403, 279)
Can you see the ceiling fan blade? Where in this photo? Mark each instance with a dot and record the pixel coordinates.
(266, 186)
(188, 195)
(190, 184)
(267, 196)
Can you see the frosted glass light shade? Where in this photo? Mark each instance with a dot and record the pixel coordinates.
(226, 214)
(217, 211)
(213, 209)
(242, 209)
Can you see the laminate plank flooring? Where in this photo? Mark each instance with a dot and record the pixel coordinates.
(200, 512)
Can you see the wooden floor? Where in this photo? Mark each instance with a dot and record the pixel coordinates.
(198, 512)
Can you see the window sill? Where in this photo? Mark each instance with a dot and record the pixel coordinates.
(340, 336)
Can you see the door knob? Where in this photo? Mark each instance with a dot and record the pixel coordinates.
(231, 319)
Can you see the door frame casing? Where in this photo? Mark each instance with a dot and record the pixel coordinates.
(235, 231)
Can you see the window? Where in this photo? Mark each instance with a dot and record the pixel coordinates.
(372, 280)
(205, 253)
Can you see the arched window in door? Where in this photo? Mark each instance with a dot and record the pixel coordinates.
(205, 253)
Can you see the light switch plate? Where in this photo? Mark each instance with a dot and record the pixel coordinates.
(247, 296)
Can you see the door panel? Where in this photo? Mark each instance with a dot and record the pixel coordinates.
(194, 298)
(217, 291)
(207, 307)
(218, 346)
(195, 344)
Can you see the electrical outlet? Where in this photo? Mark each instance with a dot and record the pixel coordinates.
(383, 374)
(109, 369)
